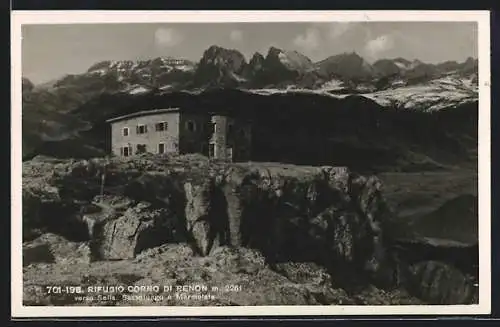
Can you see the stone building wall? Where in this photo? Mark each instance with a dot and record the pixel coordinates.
(194, 133)
(216, 136)
(231, 138)
(152, 138)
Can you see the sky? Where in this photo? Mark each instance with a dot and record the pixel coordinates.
(52, 51)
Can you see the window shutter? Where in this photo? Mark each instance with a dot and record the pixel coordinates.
(121, 151)
(137, 129)
(145, 128)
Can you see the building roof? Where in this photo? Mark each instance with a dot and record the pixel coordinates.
(142, 114)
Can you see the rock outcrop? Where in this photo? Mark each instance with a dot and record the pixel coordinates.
(288, 213)
(269, 217)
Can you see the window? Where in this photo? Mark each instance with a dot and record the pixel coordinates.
(125, 131)
(230, 129)
(161, 126)
(141, 129)
(211, 150)
(161, 148)
(141, 148)
(191, 126)
(126, 151)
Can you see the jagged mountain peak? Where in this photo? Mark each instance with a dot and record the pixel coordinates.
(470, 60)
(274, 51)
(350, 54)
(471, 63)
(220, 67)
(129, 66)
(347, 66)
(256, 62)
(257, 56)
(283, 69)
(27, 84)
(216, 55)
(289, 59)
(388, 67)
(215, 50)
(416, 63)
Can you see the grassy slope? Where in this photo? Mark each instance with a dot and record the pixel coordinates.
(418, 197)
(413, 194)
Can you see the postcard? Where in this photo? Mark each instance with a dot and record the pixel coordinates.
(250, 163)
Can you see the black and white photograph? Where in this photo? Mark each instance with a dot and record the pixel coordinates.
(212, 163)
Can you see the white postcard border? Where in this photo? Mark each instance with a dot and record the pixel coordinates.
(19, 18)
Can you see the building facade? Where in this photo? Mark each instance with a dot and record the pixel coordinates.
(178, 131)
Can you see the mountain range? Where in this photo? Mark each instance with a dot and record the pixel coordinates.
(346, 73)
(64, 108)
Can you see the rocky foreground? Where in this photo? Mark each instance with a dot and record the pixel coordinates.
(263, 234)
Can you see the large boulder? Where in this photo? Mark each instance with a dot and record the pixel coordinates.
(51, 248)
(440, 283)
(349, 245)
(102, 209)
(140, 227)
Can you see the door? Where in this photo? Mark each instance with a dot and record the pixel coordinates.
(161, 148)
(125, 151)
(211, 150)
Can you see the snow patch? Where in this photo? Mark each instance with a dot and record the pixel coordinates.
(438, 94)
(167, 68)
(444, 92)
(138, 90)
(184, 68)
(400, 65)
(99, 72)
(290, 90)
(238, 78)
(333, 85)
